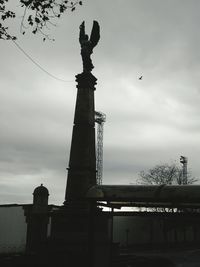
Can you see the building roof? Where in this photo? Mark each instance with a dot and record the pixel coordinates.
(146, 195)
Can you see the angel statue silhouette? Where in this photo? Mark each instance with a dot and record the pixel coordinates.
(87, 44)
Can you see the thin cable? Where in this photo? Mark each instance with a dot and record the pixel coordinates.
(38, 65)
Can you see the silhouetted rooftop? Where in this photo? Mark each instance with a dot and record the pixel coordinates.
(149, 195)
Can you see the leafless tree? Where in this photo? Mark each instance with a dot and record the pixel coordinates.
(169, 174)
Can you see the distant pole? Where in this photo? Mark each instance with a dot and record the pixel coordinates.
(127, 236)
(111, 236)
(184, 161)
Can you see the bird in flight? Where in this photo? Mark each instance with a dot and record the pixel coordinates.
(140, 78)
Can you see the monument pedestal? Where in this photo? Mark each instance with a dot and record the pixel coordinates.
(69, 229)
(81, 233)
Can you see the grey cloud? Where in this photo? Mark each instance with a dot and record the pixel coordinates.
(148, 122)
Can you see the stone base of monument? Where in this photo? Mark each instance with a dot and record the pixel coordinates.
(83, 234)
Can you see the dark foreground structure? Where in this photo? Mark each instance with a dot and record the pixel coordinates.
(81, 232)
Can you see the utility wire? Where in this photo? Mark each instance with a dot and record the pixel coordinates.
(37, 64)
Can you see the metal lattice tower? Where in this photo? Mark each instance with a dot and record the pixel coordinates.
(184, 161)
(100, 119)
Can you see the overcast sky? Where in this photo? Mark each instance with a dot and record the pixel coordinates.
(149, 121)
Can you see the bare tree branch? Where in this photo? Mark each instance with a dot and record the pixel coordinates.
(164, 174)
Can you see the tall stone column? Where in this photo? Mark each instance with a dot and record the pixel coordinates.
(82, 162)
(78, 229)
(70, 229)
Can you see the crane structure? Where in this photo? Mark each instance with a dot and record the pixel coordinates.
(100, 119)
(184, 161)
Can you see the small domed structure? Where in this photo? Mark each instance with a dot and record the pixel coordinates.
(41, 191)
(40, 198)
(37, 220)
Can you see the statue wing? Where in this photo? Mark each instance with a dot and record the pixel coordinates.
(95, 34)
(82, 32)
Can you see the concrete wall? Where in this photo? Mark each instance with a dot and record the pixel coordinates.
(12, 229)
(138, 230)
(132, 230)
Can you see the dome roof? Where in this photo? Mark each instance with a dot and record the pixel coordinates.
(41, 191)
